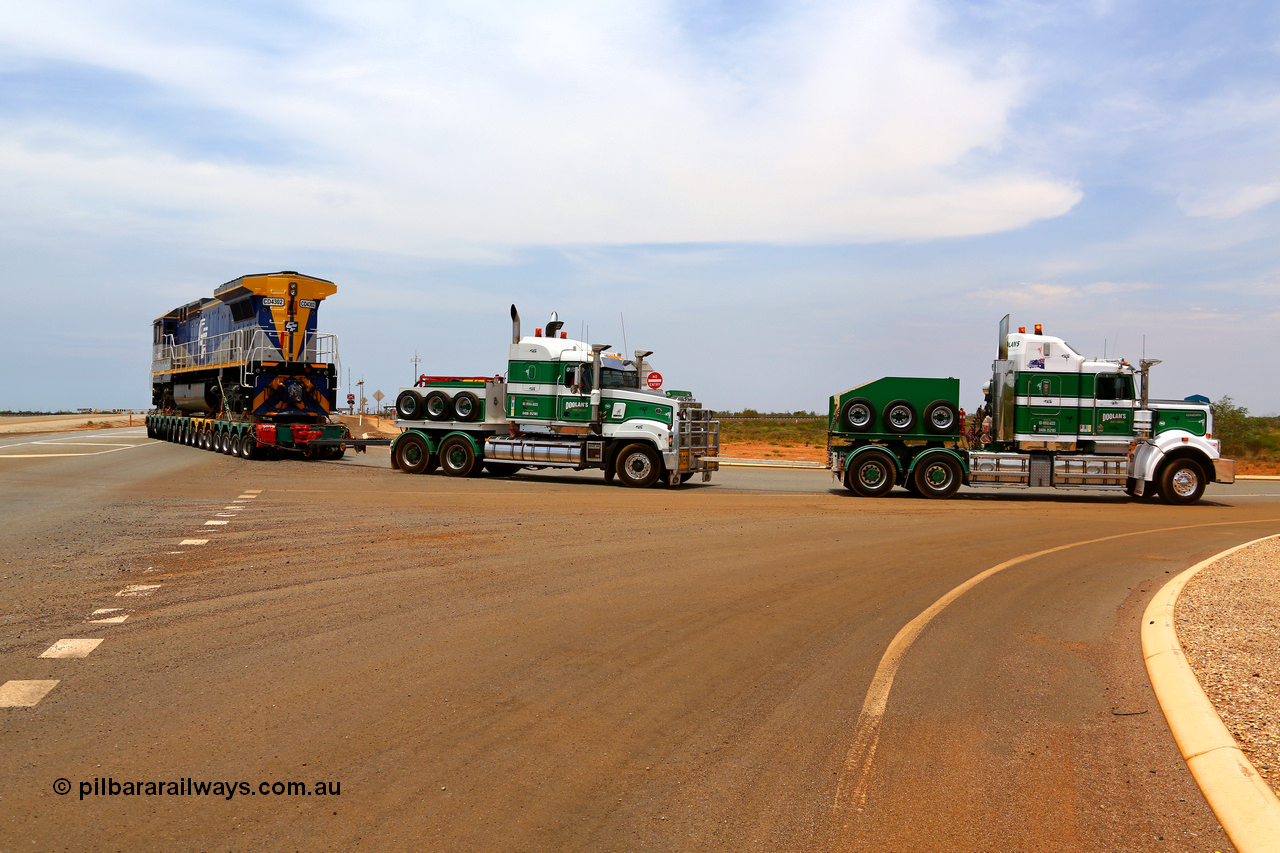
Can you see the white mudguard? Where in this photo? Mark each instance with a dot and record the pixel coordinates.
(1152, 451)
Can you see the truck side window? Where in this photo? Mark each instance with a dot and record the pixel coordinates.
(1114, 387)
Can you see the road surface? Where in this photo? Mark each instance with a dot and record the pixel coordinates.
(550, 663)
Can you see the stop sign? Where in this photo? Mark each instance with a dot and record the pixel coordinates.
(655, 380)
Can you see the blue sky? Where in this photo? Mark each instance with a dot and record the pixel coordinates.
(782, 199)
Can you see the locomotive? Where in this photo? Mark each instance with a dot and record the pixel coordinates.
(247, 369)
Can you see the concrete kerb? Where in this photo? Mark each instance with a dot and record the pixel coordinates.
(1242, 800)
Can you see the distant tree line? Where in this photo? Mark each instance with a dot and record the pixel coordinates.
(1244, 436)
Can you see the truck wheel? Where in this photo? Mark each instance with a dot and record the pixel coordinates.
(249, 446)
(871, 474)
(941, 417)
(857, 415)
(412, 454)
(1182, 482)
(639, 466)
(457, 458)
(465, 406)
(899, 416)
(409, 405)
(436, 406)
(938, 476)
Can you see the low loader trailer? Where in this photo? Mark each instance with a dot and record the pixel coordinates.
(563, 404)
(1051, 418)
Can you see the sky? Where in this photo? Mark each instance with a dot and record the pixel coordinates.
(780, 199)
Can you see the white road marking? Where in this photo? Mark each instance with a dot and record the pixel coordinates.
(226, 515)
(63, 442)
(24, 694)
(253, 491)
(190, 542)
(233, 506)
(246, 497)
(137, 589)
(112, 620)
(71, 649)
(102, 610)
(208, 523)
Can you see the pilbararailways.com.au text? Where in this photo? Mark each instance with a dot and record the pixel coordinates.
(109, 787)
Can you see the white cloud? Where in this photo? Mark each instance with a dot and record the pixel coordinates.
(543, 123)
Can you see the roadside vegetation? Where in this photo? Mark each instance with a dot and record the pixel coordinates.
(1246, 438)
(771, 433)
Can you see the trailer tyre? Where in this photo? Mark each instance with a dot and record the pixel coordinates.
(639, 466)
(857, 415)
(249, 446)
(436, 405)
(899, 416)
(465, 406)
(412, 454)
(941, 417)
(871, 474)
(1182, 482)
(409, 405)
(937, 476)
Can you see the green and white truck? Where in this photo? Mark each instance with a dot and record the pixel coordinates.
(563, 404)
(1050, 418)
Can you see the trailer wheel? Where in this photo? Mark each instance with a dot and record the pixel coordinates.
(857, 415)
(1182, 482)
(871, 474)
(899, 416)
(436, 406)
(941, 417)
(457, 458)
(249, 446)
(639, 466)
(409, 405)
(412, 454)
(465, 406)
(938, 476)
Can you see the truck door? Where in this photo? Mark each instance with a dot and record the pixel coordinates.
(573, 394)
(1113, 404)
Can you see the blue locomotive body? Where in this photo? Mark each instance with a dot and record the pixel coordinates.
(252, 352)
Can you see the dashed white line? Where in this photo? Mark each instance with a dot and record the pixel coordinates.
(213, 523)
(190, 542)
(24, 694)
(137, 589)
(110, 620)
(72, 648)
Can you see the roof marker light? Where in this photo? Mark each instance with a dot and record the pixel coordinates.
(1022, 330)
(1038, 332)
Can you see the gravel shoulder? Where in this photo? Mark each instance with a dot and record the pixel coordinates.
(1228, 622)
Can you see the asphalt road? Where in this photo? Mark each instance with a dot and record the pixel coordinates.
(550, 663)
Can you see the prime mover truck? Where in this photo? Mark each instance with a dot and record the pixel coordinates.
(563, 404)
(1050, 418)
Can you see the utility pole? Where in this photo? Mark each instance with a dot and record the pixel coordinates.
(416, 361)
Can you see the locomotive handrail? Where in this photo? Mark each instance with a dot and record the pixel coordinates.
(243, 347)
